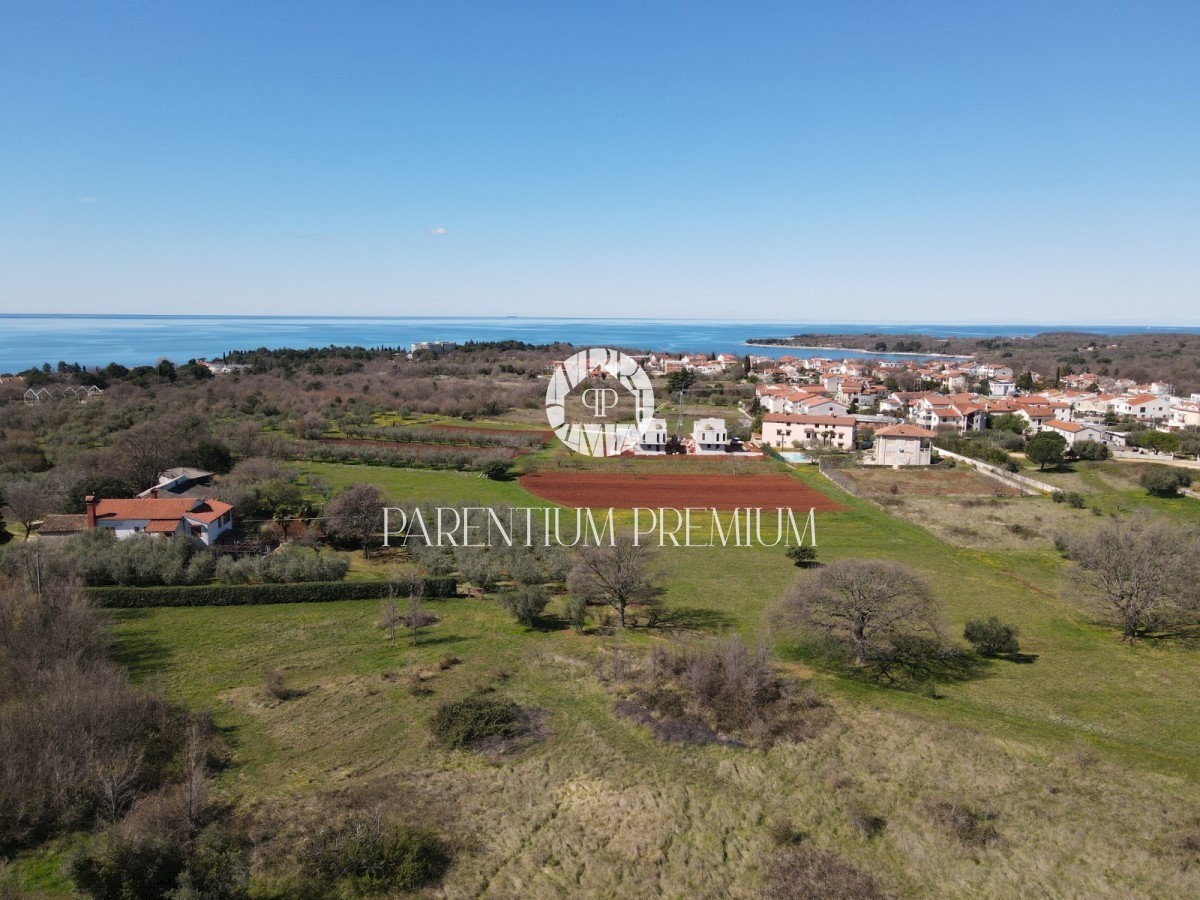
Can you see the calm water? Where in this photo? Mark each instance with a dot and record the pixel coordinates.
(30, 340)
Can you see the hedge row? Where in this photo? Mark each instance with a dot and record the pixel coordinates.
(257, 594)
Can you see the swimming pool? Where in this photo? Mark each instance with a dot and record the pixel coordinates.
(795, 458)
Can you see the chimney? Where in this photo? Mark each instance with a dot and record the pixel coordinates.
(89, 504)
(153, 493)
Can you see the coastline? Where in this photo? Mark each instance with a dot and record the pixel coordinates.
(858, 350)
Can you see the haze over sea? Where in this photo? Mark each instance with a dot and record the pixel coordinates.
(30, 340)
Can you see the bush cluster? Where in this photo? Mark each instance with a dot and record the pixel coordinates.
(984, 451)
(369, 855)
(477, 720)
(697, 693)
(288, 565)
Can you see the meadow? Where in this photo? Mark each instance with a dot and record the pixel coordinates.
(1084, 758)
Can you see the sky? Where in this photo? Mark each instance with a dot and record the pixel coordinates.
(819, 161)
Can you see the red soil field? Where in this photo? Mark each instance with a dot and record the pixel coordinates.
(624, 491)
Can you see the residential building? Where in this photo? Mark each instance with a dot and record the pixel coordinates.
(1074, 432)
(782, 430)
(903, 445)
(169, 517)
(1143, 406)
(710, 436)
(654, 438)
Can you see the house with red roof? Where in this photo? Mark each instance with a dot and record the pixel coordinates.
(1074, 432)
(903, 445)
(171, 517)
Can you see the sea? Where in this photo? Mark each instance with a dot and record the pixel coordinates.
(96, 340)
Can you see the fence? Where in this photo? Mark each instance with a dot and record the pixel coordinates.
(833, 469)
(1022, 482)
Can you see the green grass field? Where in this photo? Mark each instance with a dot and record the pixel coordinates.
(1089, 755)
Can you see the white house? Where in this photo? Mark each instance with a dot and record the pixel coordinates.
(782, 431)
(654, 438)
(1143, 406)
(710, 436)
(1002, 387)
(903, 445)
(1074, 432)
(202, 520)
(1185, 415)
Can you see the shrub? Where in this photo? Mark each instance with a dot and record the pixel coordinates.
(803, 557)
(805, 873)
(288, 565)
(1058, 497)
(971, 826)
(77, 742)
(866, 822)
(275, 684)
(526, 602)
(120, 865)
(476, 720)
(1164, 481)
(368, 854)
(1091, 450)
(496, 469)
(1076, 501)
(694, 694)
(575, 611)
(990, 637)
(218, 868)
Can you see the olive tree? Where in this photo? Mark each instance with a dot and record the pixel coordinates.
(1139, 570)
(616, 575)
(862, 606)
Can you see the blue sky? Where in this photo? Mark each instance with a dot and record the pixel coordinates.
(883, 161)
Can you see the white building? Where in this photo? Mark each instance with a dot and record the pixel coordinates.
(1143, 406)
(202, 520)
(784, 431)
(654, 438)
(1185, 415)
(1074, 432)
(903, 445)
(710, 436)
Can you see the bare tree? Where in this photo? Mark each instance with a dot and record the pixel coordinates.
(356, 513)
(616, 575)
(389, 617)
(400, 584)
(417, 617)
(28, 501)
(147, 449)
(194, 790)
(861, 604)
(1138, 569)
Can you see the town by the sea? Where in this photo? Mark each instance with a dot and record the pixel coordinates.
(93, 340)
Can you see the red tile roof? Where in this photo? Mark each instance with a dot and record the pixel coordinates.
(160, 509)
(63, 524)
(144, 508)
(209, 511)
(905, 431)
(1072, 427)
